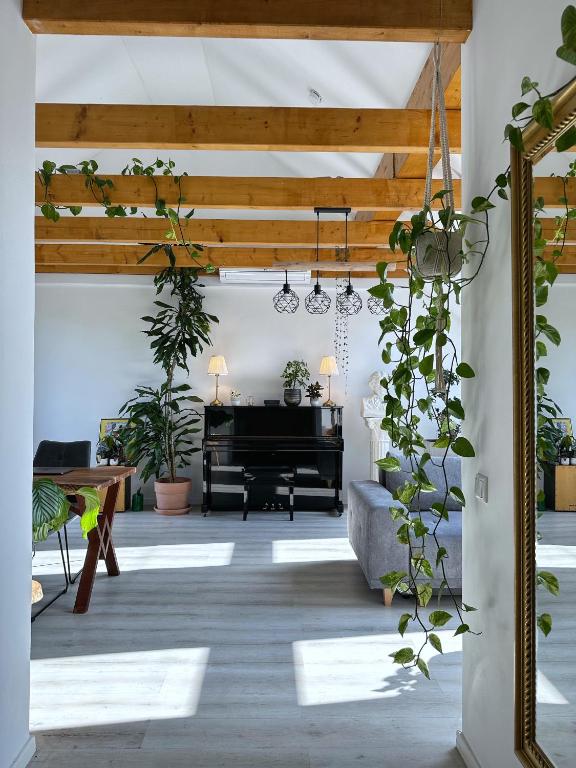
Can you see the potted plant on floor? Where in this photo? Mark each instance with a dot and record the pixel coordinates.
(295, 375)
(162, 421)
(314, 392)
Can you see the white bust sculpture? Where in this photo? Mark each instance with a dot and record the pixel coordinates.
(374, 406)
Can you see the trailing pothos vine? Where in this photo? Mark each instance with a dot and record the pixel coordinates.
(424, 367)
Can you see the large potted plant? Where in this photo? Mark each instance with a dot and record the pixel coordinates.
(295, 375)
(162, 420)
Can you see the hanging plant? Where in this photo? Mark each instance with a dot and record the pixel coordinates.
(425, 366)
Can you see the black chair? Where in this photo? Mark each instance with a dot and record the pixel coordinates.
(51, 453)
(270, 478)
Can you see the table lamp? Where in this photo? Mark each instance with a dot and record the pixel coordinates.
(217, 367)
(328, 367)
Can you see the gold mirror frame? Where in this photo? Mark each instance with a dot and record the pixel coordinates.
(538, 142)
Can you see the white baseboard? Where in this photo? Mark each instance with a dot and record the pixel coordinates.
(26, 754)
(466, 751)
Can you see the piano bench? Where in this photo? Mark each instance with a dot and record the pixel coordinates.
(269, 477)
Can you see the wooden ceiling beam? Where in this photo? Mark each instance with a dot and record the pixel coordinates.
(552, 189)
(387, 20)
(239, 192)
(215, 232)
(393, 164)
(282, 129)
(259, 258)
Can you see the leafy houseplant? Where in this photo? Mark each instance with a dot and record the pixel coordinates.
(295, 375)
(111, 449)
(314, 392)
(418, 348)
(51, 507)
(162, 421)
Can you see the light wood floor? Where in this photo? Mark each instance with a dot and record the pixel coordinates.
(226, 644)
(556, 690)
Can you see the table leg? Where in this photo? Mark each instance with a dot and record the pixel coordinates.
(100, 547)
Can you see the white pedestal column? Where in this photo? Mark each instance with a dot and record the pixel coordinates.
(379, 443)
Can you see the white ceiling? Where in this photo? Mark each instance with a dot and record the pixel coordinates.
(131, 70)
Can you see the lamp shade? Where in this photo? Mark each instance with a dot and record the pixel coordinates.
(328, 366)
(217, 366)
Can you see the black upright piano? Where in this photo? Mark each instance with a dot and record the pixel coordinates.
(306, 440)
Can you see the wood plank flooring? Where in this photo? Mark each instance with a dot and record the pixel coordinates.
(226, 644)
(556, 689)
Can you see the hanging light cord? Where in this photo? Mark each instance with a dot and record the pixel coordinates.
(317, 245)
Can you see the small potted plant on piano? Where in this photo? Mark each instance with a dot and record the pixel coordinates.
(314, 392)
(235, 398)
(295, 375)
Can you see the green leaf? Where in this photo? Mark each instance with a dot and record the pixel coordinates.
(527, 85)
(544, 622)
(455, 407)
(424, 593)
(457, 494)
(426, 365)
(465, 371)
(393, 579)
(462, 629)
(439, 618)
(517, 109)
(549, 581)
(462, 447)
(75, 209)
(468, 608)
(442, 442)
(403, 656)
(435, 642)
(389, 464)
(568, 138)
(403, 623)
(440, 555)
(542, 112)
(423, 337)
(423, 667)
(481, 204)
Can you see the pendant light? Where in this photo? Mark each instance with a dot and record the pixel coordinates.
(317, 302)
(376, 306)
(348, 302)
(286, 300)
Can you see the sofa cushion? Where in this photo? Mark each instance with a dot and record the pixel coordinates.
(394, 480)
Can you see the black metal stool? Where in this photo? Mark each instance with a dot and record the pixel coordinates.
(269, 477)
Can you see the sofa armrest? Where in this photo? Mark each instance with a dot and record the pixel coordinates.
(372, 532)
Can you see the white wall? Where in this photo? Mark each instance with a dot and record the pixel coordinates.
(16, 376)
(90, 353)
(561, 361)
(510, 39)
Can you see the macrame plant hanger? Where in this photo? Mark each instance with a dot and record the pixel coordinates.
(440, 262)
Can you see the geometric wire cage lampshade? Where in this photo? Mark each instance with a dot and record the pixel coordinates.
(317, 302)
(286, 300)
(348, 302)
(376, 306)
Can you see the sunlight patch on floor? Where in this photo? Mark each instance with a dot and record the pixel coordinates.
(311, 550)
(103, 689)
(555, 556)
(160, 557)
(546, 691)
(346, 669)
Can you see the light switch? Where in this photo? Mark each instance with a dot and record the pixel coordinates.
(481, 488)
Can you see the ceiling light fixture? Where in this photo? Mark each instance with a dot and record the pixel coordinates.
(348, 302)
(317, 302)
(286, 300)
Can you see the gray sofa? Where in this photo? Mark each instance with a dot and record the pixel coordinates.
(372, 532)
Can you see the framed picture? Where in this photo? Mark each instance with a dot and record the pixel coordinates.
(110, 426)
(564, 425)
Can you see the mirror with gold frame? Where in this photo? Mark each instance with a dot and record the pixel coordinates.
(545, 480)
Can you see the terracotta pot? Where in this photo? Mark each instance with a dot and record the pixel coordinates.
(172, 498)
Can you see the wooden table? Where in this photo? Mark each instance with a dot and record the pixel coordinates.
(100, 544)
